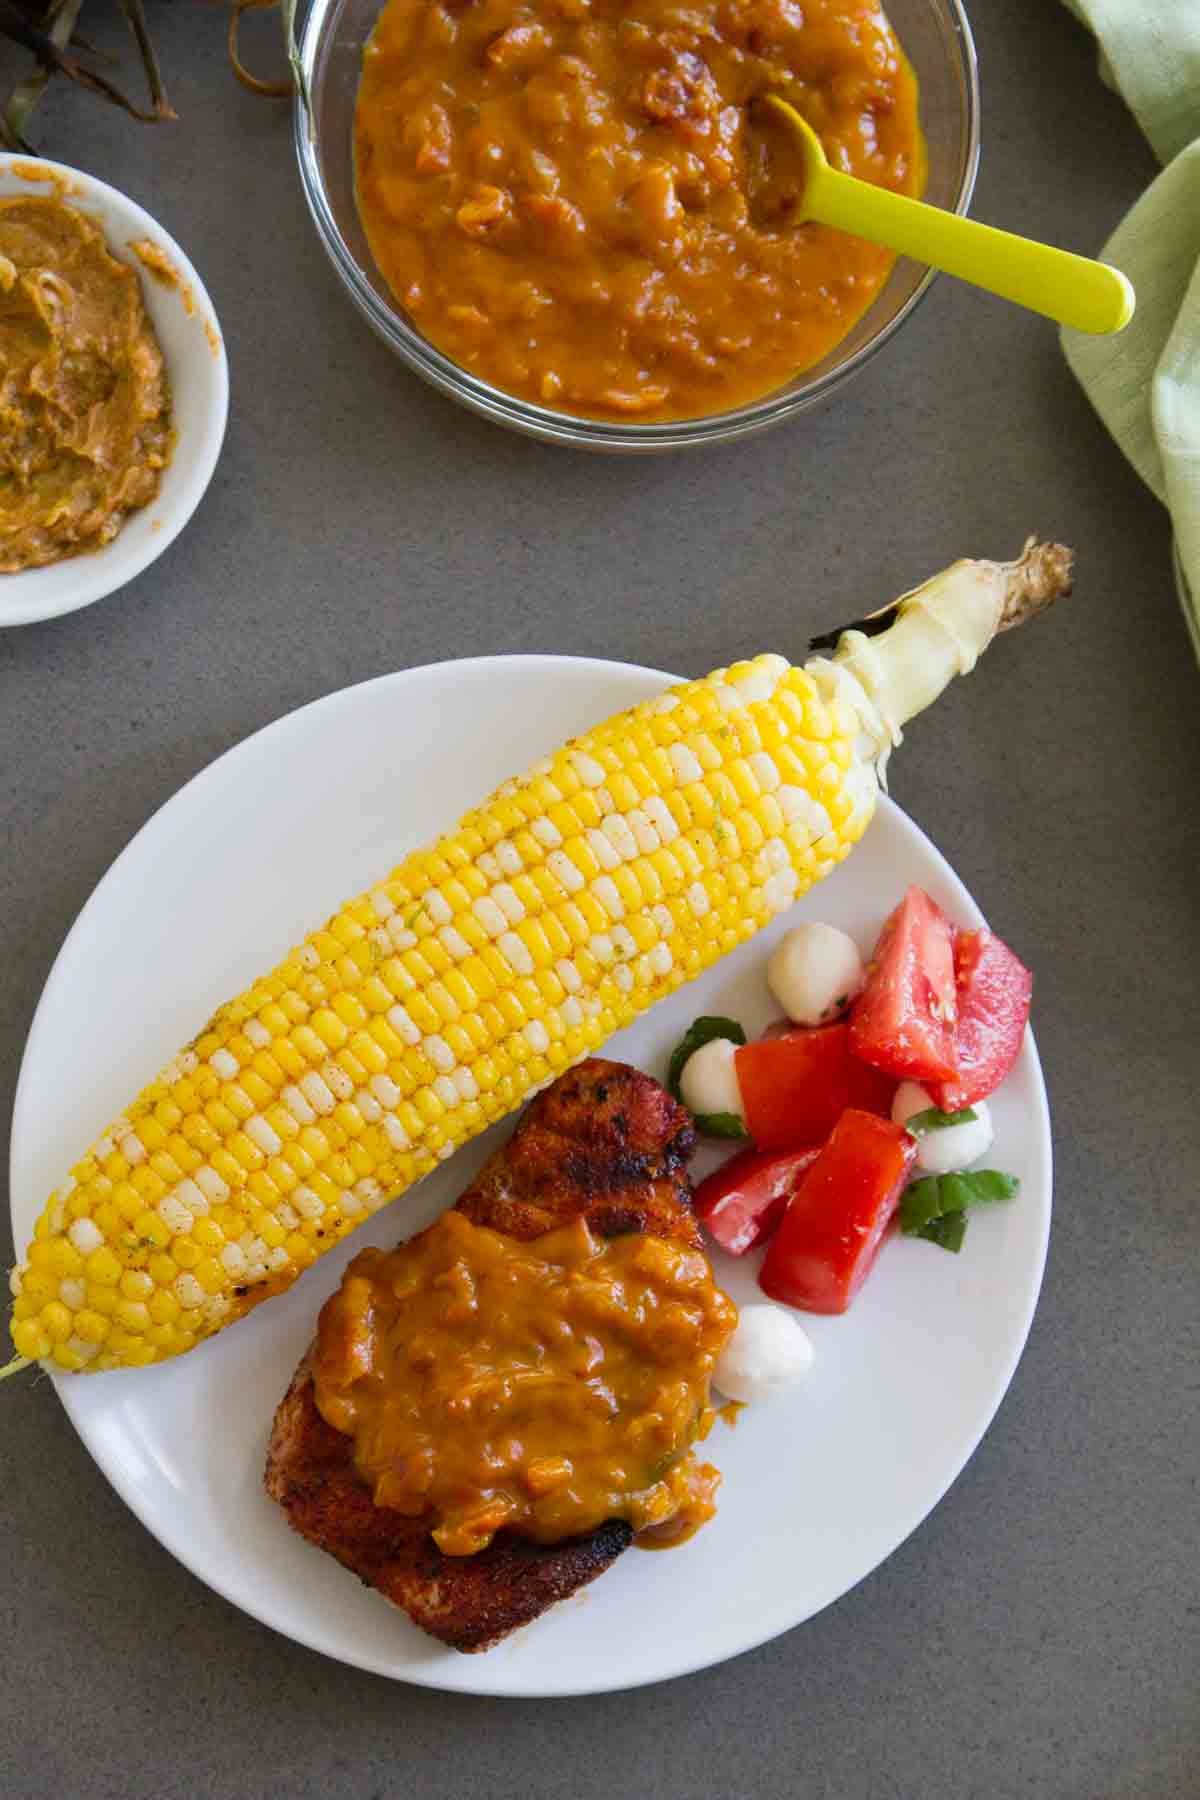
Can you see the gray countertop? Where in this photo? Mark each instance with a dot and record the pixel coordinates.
(1038, 1634)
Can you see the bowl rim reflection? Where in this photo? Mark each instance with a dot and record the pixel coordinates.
(569, 428)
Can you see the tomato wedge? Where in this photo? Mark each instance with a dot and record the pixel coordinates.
(904, 1020)
(830, 1235)
(994, 991)
(743, 1201)
(796, 1086)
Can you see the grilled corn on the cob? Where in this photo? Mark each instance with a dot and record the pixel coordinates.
(436, 1002)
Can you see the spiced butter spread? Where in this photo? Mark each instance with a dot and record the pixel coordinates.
(85, 429)
(540, 1387)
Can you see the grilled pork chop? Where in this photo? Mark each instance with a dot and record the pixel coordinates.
(606, 1141)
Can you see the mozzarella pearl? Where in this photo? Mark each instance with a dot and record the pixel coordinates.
(709, 1082)
(952, 1148)
(814, 972)
(769, 1351)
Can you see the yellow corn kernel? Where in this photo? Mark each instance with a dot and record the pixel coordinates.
(163, 1307)
(31, 1339)
(56, 1322)
(102, 1299)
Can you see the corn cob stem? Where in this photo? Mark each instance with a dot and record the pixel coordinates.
(479, 969)
(906, 654)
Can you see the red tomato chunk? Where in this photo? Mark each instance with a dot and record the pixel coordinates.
(795, 1087)
(994, 991)
(830, 1235)
(743, 1201)
(904, 1020)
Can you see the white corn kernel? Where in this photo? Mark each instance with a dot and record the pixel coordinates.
(401, 1023)
(263, 1135)
(224, 1063)
(517, 952)
(190, 1195)
(686, 764)
(73, 1294)
(316, 1092)
(617, 830)
(605, 890)
(187, 1290)
(662, 818)
(764, 771)
(645, 836)
(211, 1185)
(306, 1203)
(537, 1037)
(385, 1091)
(624, 941)
(588, 769)
(602, 848)
(564, 871)
(174, 1214)
(336, 1079)
(85, 1236)
(297, 1105)
(547, 833)
(439, 1052)
(489, 915)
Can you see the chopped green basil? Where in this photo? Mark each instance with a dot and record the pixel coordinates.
(699, 1032)
(722, 1125)
(947, 1232)
(934, 1119)
(935, 1207)
(987, 1185)
(921, 1203)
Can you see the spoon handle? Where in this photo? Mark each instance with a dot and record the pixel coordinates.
(1076, 291)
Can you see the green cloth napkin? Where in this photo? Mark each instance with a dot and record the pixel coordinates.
(1145, 383)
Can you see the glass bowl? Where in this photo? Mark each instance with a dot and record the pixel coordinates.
(937, 38)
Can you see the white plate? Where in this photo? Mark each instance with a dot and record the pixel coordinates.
(819, 1487)
(194, 352)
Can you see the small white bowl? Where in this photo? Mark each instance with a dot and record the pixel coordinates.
(194, 351)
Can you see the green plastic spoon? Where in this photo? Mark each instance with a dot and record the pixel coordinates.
(1076, 291)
